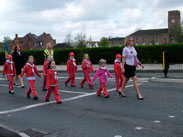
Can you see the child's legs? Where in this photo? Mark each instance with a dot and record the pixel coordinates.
(44, 83)
(32, 86)
(104, 89)
(89, 80)
(73, 79)
(57, 94)
(117, 82)
(99, 90)
(48, 93)
(10, 78)
(83, 81)
(68, 79)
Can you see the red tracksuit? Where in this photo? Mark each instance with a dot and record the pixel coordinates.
(30, 70)
(87, 67)
(118, 74)
(45, 68)
(10, 71)
(71, 70)
(52, 84)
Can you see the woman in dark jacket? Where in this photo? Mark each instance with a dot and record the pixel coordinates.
(19, 61)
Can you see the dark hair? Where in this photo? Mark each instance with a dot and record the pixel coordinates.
(49, 63)
(16, 47)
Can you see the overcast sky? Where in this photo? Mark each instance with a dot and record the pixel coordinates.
(115, 18)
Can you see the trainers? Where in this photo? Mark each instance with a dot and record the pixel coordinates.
(28, 96)
(60, 102)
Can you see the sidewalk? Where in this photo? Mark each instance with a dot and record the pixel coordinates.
(147, 68)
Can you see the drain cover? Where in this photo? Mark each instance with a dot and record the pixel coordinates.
(34, 132)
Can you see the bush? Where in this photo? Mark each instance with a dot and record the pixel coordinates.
(147, 54)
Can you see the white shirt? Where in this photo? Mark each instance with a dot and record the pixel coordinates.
(130, 54)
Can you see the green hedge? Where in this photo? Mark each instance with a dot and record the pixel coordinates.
(147, 54)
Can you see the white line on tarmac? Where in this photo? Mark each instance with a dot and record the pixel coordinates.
(74, 92)
(3, 85)
(51, 102)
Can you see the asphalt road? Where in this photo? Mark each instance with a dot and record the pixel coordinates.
(83, 114)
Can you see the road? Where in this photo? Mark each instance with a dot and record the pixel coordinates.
(83, 114)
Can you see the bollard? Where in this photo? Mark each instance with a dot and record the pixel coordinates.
(165, 63)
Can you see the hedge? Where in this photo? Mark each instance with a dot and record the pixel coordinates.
(147, 54)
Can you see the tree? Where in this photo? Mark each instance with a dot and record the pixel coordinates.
(104, 42)
(9, 41)
(68, 39)
(80, 39)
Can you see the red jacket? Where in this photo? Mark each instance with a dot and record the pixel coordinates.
(117, 68)
(45, 67)
(87, 66)
(71, 66)
(30, 70)
(8, 69)
(52, 77)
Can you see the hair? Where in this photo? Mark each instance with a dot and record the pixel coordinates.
(15, 49)
(102, 61)
(30, 57)
(47, 57)
(49, 43)
(85, 55)
(49, 63)
(127, 40)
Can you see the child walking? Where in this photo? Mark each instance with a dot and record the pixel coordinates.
(71, 69)
(102, 73)
(87, 67)
(10, 71)
(30, 70)
(52, 82)
(45, 68)
(118, 72)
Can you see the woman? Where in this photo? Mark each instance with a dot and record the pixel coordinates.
(49, 51)
(19, 61)
(129, 64)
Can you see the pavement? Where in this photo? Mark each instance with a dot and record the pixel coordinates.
(147, 68)
(83, 114)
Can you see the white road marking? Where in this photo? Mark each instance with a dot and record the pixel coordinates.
(23, 134)
(138, 128)
(117, 136)
(74, 92)
(171, 116)
(157, 121)
(3, 78)
(3, 85)
(51, 102)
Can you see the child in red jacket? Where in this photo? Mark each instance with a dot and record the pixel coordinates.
(10, 71)
(30, 70)
(52, 82)
(71, 69)
(87, 67)
(118, 72)
(45, 68)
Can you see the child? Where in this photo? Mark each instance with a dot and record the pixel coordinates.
(45, 68)
(10, 71)
(118, 72)
(52, 82)
(71, 69)
(102, 73)
(87, 67)
(30, 70)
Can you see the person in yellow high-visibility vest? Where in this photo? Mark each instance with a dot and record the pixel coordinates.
(49, 51)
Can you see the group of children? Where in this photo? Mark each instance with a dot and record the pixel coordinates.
(50, 82)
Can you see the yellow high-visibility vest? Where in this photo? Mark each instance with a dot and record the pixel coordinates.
(47, 53)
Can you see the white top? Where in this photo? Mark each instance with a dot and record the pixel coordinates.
(130, 54)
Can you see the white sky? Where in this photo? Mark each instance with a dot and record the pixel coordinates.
(115, 18)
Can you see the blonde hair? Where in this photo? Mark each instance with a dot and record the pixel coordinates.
(127, 40)
(102, 61)
(30, 57)
(49, 43)
(85, 56)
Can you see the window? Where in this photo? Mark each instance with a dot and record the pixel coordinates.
(136, 42)
(165, 40)
(157, 41)
(143, 41)
(150, 42)
(173, 20)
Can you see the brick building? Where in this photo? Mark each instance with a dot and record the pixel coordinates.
(116, 42)
(31, 41)
(159, 36)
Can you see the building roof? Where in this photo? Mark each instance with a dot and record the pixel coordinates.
(61, 45)
(150, 32)
(117, 39)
